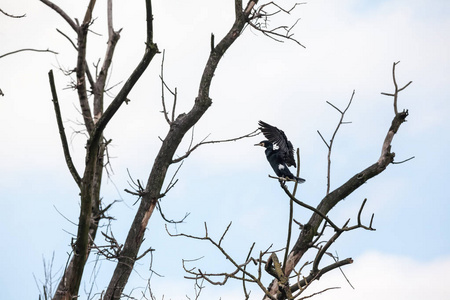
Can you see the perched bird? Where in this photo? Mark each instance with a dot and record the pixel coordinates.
(282, 157)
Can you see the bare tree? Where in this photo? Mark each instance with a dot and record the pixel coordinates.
(96, 118)
(290, 277)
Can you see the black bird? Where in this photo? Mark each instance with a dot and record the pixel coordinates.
(283, 157)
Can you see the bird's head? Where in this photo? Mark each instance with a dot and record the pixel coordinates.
(264, 144)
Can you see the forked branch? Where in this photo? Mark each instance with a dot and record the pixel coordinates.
(330, 145)
(28, 49)
(259, 20)
(192, 149)
(240, 272)
(396, 89)
(164, 87)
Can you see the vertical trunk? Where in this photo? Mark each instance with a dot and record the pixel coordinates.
(87, 228)
(178, 129)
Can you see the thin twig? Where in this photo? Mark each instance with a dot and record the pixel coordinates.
(286, 190)
(12, 16)
(396, 89)
(239, 267)
(259, 21)
(27, 49)
(403, 161)
(163, 87)
(158, 206)
(330, 145)
(251, 134)
(291, 213)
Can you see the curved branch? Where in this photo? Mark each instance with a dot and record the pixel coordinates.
(324, 249)
(251, 134)
(27, 49)
(62, 133)
(314, 276)
(62, 13)
(315, 210)
(12, 16)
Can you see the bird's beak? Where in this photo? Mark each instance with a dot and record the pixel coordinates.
(259, 144)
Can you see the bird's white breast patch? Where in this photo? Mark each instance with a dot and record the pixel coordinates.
(280, 167)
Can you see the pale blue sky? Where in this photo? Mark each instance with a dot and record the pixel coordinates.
(349, 45)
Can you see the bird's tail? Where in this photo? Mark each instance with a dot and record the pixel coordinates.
(299, 180)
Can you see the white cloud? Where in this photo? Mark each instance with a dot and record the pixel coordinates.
(373, 275)
(383, 276)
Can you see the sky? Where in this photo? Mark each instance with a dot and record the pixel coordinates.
(349, 45)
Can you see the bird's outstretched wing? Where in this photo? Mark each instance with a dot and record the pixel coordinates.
(277, 136)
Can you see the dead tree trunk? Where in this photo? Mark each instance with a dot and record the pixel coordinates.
(164, 159)
(90, 183)
(311, 229)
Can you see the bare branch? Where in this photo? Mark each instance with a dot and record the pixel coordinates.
(403, 161)
(27, 49)
(323, 250)
(68, 38)
(138, 189)
(291, 212)
(88, 14)
(240, 268)
(330, 145)
(158, 206)
(251, 134)
(323, 139)
(259, 21)
(99, 86)
(174, 94)
(150, 51)
(360, 225)
(315, 276)
(247, 294)
(315, 210)
(62, 132)
(67, 219)
(172, 181)
(12, 16)
(145, 253)
(396, 89)
(61, 13)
